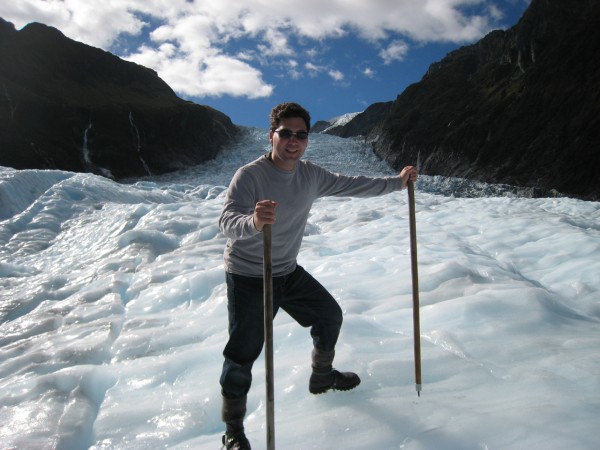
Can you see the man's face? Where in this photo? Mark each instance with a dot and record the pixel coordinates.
(287, 151)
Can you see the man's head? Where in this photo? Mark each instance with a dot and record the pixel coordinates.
(287, 111)
(290, 123)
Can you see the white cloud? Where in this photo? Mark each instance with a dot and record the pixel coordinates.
(368, 72)
(277, 44)
(312, 67)
(191, 47)
(394, 52)
(336, 75)
(495, 12)
(94, 22)
(293, 69)
(313, 70)
(215, 75)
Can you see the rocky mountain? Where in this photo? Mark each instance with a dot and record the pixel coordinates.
(521, 106)
(69, 106)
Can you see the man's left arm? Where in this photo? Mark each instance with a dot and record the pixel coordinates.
(361, 186)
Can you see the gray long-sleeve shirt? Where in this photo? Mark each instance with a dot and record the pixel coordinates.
(294, 191)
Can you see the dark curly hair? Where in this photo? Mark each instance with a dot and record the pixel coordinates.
(288, 110)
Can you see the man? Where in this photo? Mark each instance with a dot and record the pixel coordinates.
(279, 188)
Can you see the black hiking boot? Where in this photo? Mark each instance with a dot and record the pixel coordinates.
(236, 442)
(323, 380)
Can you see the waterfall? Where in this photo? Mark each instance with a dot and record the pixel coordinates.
(12, 105)
(87, 160)
(138, 143)
(85, 150)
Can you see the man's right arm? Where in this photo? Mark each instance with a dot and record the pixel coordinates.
(237, 217)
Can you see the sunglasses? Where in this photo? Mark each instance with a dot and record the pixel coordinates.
(287, 134)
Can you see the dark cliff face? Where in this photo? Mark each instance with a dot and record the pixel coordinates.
(69, 106)
(521, 106)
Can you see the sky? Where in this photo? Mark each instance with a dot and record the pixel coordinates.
(242, 57)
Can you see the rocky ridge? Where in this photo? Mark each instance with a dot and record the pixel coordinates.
(520, 107)
(66, 105)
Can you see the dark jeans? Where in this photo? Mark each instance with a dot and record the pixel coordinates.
(298, 294)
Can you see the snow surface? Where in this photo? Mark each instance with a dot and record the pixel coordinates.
(340, 121)
(113, 314)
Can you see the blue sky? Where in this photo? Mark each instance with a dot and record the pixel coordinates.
(244, 56)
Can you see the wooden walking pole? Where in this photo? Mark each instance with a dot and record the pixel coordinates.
(415, 285)
(268, 315)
